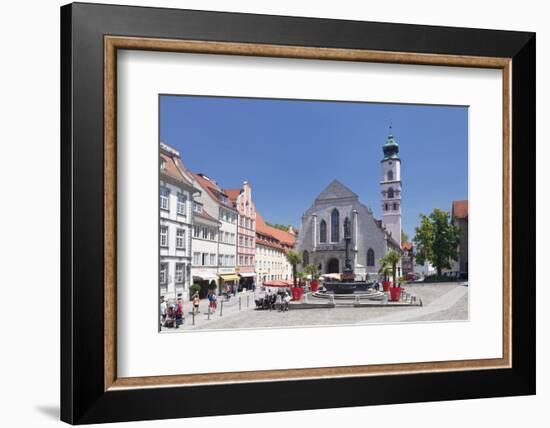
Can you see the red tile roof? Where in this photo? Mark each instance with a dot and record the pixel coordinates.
(460, 209)
(212, 189)
(233, 194)
(171, 169)
(284, 239)
(407, 246)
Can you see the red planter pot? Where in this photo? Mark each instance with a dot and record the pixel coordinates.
(314, 285)
(386, 285)
(297, 293)
(395, 294)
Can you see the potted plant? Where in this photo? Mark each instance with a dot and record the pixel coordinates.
(294, 258)
(392, 258)
(311, 269)
(385, 269)
(297, 292)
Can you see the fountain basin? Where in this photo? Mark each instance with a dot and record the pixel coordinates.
(336, 287)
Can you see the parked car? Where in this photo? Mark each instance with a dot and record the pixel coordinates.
(412, 276)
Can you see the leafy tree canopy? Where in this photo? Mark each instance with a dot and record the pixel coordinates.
(436, 240)
(278, 226)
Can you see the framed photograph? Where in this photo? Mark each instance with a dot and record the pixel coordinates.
(266, 213)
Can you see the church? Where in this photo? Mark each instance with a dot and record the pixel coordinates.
(321, 237)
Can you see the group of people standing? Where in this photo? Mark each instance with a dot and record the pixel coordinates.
(270, 300)
(172, 315)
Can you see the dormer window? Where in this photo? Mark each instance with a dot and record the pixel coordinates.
(197, 208)
(162, 164)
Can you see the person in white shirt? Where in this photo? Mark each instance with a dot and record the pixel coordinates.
(286, 302)
(163, 310)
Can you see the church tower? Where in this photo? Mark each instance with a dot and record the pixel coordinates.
(390, 187)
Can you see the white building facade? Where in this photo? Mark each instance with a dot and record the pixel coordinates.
(175, 206)
(216, 204)
(204, 268)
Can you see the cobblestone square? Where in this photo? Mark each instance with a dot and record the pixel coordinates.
(441, 302)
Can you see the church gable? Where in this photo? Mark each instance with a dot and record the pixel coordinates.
(335, 190)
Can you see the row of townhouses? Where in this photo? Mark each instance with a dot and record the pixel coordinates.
(213, 237)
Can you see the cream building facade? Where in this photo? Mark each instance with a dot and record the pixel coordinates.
(272, 245)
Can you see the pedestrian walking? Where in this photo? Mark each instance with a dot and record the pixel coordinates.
(196, 301)
(213, 301)
(286, 302)
(179, 313)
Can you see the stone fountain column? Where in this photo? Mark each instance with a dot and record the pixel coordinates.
(347, 272)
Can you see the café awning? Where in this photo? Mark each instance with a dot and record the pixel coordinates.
(229, 277)
(277, 283)
(331, 276)
(247, 274)
(205, 276)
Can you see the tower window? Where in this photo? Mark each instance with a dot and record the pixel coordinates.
(395, 206)
(386, 207)
(335, 226)
(390, 192)
(323, 231)
(390, 175)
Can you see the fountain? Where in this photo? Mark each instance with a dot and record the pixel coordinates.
(347, 285)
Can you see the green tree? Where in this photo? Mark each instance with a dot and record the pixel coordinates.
(404, 236)
(194, 289)
(294, 258)
(278, 226)
(384, 268)
(311, 269)
(391, 259)
(436, 240)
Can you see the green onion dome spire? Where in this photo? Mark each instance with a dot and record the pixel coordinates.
(391, 148)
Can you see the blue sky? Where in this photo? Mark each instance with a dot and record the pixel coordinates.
(291, 150)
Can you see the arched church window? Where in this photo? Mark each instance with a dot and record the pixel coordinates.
(323, 231)
(370, 257)
(305, 258)
(390, 175)
(390, 192)
(335, 226)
